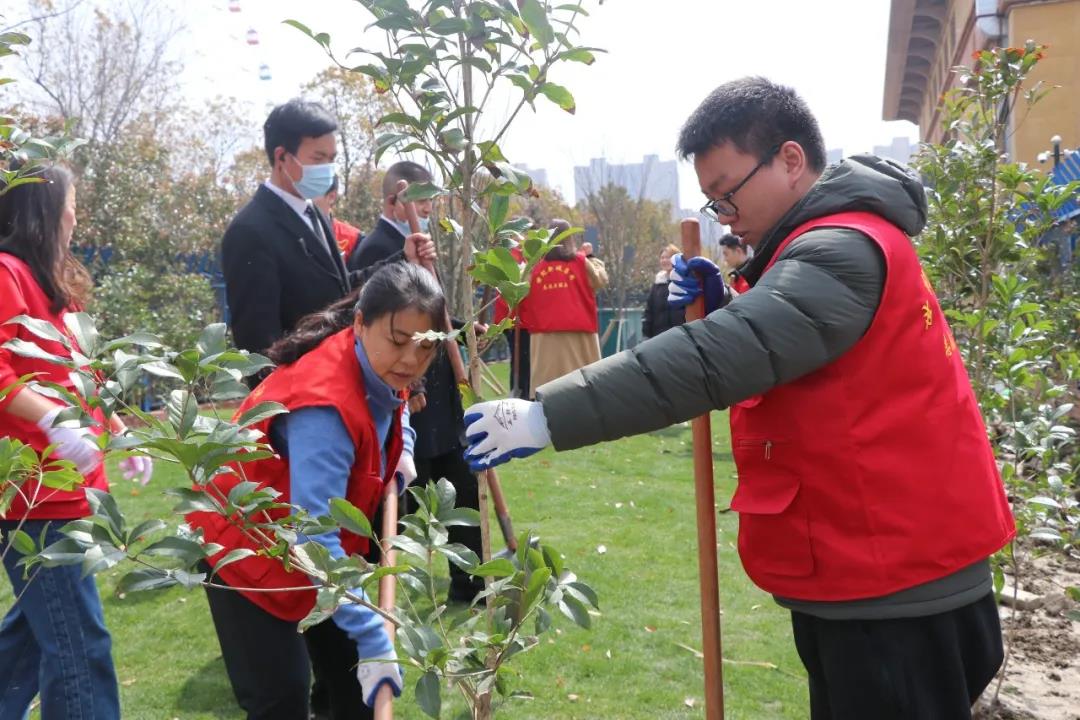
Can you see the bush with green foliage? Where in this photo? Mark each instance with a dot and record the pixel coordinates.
(1013, 313)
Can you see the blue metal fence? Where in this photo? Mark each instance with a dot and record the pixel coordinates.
(1068, 170)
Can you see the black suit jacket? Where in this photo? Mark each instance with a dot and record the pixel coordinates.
(275, 270)
(440, 428)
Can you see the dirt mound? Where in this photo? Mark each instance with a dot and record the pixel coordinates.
(1042, 679)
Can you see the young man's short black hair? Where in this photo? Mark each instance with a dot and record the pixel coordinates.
(287, 125)
(731, 241)
(756, 115)
(403, 170)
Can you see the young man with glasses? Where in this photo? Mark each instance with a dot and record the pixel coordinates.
(876, 539)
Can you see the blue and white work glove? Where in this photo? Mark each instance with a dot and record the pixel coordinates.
(405, 472)
(501, 430)
(691, 279)
(374, 673)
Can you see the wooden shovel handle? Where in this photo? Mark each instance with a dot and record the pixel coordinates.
(384, 700)
(706, 519)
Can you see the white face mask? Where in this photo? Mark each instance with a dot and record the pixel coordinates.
(315, 180)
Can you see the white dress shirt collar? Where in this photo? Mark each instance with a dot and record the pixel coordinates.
(298, 205)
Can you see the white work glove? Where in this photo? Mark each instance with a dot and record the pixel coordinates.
(405, 472)
(376, 672)
(72, 443)
(137, 468)
(501, 430)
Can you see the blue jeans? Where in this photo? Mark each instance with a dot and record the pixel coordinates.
(53, 641)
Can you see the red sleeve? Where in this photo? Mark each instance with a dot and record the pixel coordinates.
(12, 303)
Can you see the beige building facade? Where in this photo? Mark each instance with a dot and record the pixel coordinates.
(927, 38)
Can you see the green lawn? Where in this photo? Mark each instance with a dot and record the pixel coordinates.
(635, 498)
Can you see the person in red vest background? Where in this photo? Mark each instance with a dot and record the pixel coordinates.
(878, 538)
(342, 374)
(345, 235)
(560, 310)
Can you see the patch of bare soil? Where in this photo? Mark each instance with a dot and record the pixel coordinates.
(1042, 677)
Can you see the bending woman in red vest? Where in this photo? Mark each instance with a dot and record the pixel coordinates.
(53, 640)
(342, 374)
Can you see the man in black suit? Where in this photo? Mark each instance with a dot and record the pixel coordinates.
(437, 416)
(278, 255)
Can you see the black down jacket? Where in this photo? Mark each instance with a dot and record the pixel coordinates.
(809, 308)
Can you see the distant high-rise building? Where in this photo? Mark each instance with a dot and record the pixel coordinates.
(651, 179)
(539, 176)
(834, 156)
(899, 150)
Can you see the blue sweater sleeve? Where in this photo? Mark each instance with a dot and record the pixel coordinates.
(408, 435)
(321, 454)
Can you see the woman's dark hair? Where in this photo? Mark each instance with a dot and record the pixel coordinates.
(394, 287)
(30, 215)
(288, 124)
(755, 115)
(567, 247)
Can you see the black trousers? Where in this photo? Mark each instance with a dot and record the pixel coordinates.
(269, 663)
(453, 467)
(923, 668)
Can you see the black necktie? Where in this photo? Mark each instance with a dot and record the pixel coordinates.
(316, 227)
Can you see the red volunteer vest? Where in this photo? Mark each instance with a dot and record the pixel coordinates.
(738, 283)
(874, 473)
(560, 299)
(346, 237)
(319, 378)
(20, 294)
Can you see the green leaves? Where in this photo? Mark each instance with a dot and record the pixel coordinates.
(259, 412)
(41, 328)
(535, 16)
(31, 350)
(560, 96)
(22, 542)
(83, 328)
(350, 517)
(321, 38)
(428, 694)
(581, 55)
(499, 567)
(422, 191)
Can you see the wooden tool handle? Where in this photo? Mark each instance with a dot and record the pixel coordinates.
(706, 519)
(384, 700)
(461, 376)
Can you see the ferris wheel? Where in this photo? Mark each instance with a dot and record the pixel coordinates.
(245, 44)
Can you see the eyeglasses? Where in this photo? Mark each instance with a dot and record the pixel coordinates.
(722, 206)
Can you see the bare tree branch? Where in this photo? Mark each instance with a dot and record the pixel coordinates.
(48, 15)
(102, 70)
